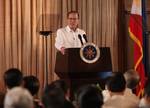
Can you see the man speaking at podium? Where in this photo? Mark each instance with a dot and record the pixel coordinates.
(70, 36)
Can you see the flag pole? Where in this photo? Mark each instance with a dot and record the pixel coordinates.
(145, 38)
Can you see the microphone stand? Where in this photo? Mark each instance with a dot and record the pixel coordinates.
(45, 34)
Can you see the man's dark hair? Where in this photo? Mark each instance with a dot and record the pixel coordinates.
(89, 96)
(53, 97)
(13, 77)
(32, 84)
(61, 84)
(62, 88)
(117, 82)
(70, 12)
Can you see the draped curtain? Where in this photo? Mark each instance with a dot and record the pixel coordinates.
(21, 45)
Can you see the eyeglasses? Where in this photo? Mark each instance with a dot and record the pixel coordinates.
(73, 18)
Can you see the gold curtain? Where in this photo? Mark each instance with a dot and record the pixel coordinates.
(21, 44)
(23, 47)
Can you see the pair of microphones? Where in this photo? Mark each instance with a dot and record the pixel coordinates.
(80, 37)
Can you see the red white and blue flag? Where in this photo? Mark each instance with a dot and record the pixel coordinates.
(136, 34)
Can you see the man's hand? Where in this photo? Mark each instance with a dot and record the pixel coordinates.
(62, 50)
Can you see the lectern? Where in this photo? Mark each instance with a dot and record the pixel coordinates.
(76, 72)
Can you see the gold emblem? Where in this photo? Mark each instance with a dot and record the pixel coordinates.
(89, 53)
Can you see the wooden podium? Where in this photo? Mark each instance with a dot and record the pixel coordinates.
(76, 72)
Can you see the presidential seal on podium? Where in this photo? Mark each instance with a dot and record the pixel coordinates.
(89, 53)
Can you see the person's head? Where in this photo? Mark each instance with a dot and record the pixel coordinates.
(62, 85)
(13, 77)
(53, 97)
(116, 83)
(18, 97)
(89, 96)
(132, 78)
(32, 84)
(73, 19)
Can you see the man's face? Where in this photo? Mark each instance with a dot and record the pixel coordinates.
(73, 21)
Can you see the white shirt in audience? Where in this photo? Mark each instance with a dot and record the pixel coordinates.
(127, 100)
(144, 104)
(128, 93)
(120, 101)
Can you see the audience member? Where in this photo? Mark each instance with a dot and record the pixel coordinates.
(13, 78)
(132, 79)
(61, 84)
(145, 100)
(18, 98)
(116, 87)
(32, 84)
(89, 96)
(53, 97)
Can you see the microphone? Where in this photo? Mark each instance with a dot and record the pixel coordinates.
(84, 36)
(79, 36)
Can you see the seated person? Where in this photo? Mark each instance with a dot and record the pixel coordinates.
(116, 87)
(65, 88)
(32, 84)
(63, 85)
(89, 96)
(13, 77)
(145, 100)
(54, 97)
(132, 79)
(18, 98)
